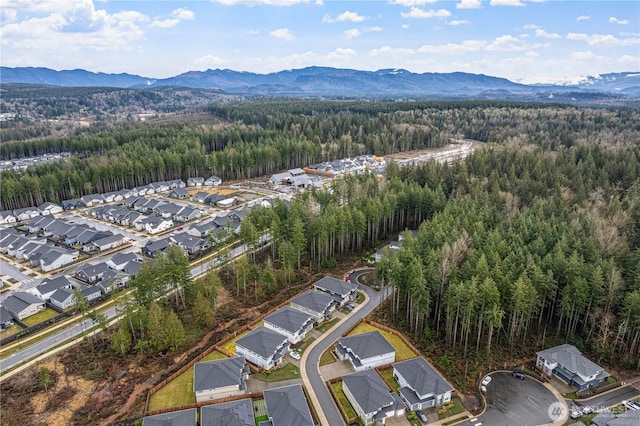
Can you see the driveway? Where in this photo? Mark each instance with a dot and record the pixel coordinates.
(514, 402)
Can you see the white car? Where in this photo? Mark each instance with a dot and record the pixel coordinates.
(630, 405)
(486, 380)
(295, 355)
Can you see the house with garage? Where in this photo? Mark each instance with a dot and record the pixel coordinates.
(263, 347)
(287, 406)
(6, 319)
(289, 322)
(113, 279)
(161, 186)
(342, 291)
(179, 193)
(318, 305)
(234, 413)
(91, 273)
(7, 216)
(567, 363)
(26, 213)
(8, 237)
(132, 268)
(195, 182)
(63, 299)
(213, 181)
(188, 213)
(107, 243)
(22, 305)
(167, 210)
(177, 184)
(57, 258)
(91, 292)
(227, 203)
(366, 350)
(92, 199)
(280, 178)
(421, 386)
(48, 208)
(118, 260)
(371, 398)
(189, 244)
(48, 286)
(186, 417)
(200, 197)
(152, 248)
(72, 204)
(220, 378)
(202, 230)
(154, 224)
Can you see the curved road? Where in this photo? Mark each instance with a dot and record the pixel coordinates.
(311, 364)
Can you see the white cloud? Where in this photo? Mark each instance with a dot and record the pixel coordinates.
(165, 23)
(352, 33)
(583, 55)
(341, 54)
(372, 29)
(7, 16)
(531, 27)
(416, 12)
(388, 50)
(283, 33)
(456, 22)
(509, 43)
(532, 54)
(629, 59)
(614, 20)
(261, 2)
(542, 33)
(347, 16)
(405, 26)
(583, 18)
(319, 3)
(469, 4)
(412, 3)
(184, 14)
(506, 3)
(454, 48)
(603, 39)
(208, 61)
(178, 15)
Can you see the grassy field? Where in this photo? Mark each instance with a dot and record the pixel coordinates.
(180, 390)
(10, 331)
(403, 351)
(327, 325)
(231, 344)
(359, 298)
(261, 419)
(387, 375)
(286, 372)
(40, 317)
(327, 357)
(306, 344)
(342, 399)
(456, 407)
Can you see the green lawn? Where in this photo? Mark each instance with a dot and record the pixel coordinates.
(342, 399)
(40, 317)
(10, 331)
(387, 375)
(403, 351)
(451, 409)
(288, 371)
(359, 298)
(180, 390)
(327, 325)
(231, 344)
(305, 345)
(261, 419)
(327, 357)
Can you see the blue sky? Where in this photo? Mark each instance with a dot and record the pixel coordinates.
(527, 41)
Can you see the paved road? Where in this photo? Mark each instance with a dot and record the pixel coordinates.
(514, 402)
(325, 400)
(610, 399)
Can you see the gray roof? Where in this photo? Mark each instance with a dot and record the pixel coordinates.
(314, 301)
(369, 390)
(287, 406)
(132, 267)
(51, 284)
(627, 418)
(180, 191)
(262, 341)
(122, 258)
(421, 376)
(61, 295)
(571, 359)
(219, 373)
(334, 286)
(5, 315)
(289, 319)
(174, 418)
(367, 345)
(234, 413)
(17, 302)
(109, 240)
(93, 270)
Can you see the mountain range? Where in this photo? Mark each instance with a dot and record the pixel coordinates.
(335, 82)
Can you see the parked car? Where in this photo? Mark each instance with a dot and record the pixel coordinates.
(483, 389)
(518, 375)
(295, 355)
(486, 380)
(586, 410)
(630, 405)
(635, 404)
(422, 416)
(576, 413)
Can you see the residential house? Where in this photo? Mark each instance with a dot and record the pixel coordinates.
(177, 184)
(132, 200)
(167, 210)
(234, 413)
(220, 378)
(154, 224)
(161, 186)
(114, 196)
(263, 347)
(201, 230)
(118, 260)
(22, 305)
(212, 199)
(366, 350)
(189, 244)
(133, 267)
(179, 193)
(48, 208)
(610, 418)
(226, 203)
(290, 322)
(421, 386)
(213, 181)
(35, 225)
(173, 418)
(92, 199)
(26, 213)
(150, 205)
(57, 258)
(113, 279)
(188, 213)
(567, 363)
(342, 291)
(318, 305)
(280, 178)
(48, 286)
(6, 320)
(91, 273)
(91, 292)
(371, 398)
(195, 181)
(152, 248)
(72, 204)
(108, 243)
(63, 298)
(7, 238)
(7, 216)
(200, 197)
(287, 406)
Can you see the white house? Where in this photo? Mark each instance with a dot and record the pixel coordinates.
(57, 258)
(371, 398)
(49, 208)
(263, 347)
(342, 291)
(318, 305)
(567, 363)
(7, 216)
(420, 385)
(213, 181)
(220, 378)
(48, 286)
(366, 350)
(63, 298)
(195, 181)
(290, 322)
